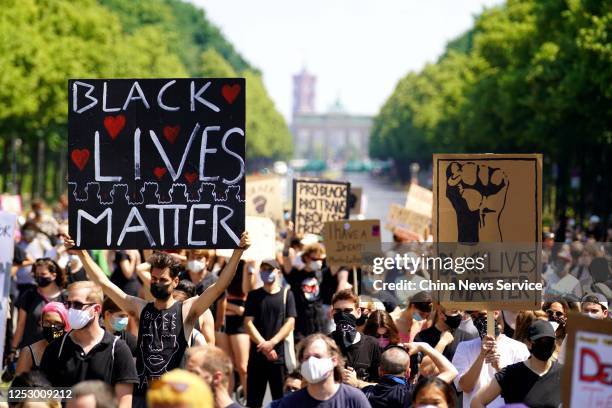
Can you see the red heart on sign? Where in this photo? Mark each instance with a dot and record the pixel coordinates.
(230, 92)
(114, 124)
(190, 177)
(159, 172)
(80, 157)
(171, 133)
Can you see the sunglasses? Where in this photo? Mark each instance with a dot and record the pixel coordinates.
(384, 336)
(555, 313)
(345, 310)
(76, 305)
(53, 326)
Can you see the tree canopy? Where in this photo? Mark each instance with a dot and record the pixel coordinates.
(529, 76)
(44, 43)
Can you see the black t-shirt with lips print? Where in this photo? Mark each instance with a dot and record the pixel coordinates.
(161, 343)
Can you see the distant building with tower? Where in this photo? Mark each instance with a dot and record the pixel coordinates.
(332, 136)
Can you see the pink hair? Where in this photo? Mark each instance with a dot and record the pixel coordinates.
(60, 309)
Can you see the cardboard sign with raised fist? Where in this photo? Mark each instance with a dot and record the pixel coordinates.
(487, 197)
(489, 205)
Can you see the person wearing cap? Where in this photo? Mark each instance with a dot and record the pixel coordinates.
(594, 305)
(304, 277)
(269, 317)
(179, 389)
(535, 382)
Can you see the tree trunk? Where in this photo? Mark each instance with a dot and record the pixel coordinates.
(40, 167)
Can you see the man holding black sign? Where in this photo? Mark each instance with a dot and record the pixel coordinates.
(165, 324)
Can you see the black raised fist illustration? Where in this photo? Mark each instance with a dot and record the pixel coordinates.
(260, 204)
(478, 194)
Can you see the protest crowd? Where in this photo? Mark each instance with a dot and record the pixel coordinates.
(193, 328)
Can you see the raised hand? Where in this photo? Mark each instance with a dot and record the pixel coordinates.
(245, 241)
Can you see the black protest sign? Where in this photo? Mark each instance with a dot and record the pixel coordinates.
(316, 202)
(156, 163)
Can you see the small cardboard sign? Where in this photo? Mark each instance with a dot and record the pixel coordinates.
(263, 240)
(264, 198)
(347, 242)
(419, 200)
(587, 370)
(407, 220)
(11, 203)
(316, 202)
(356, 201)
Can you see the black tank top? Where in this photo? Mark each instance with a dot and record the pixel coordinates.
(161, 343)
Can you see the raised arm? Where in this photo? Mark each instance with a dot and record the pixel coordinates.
(203, 302)
(130, 304)
(468, 381)
(448, 372)
(487, 394)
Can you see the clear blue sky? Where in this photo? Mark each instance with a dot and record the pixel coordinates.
(358, 49)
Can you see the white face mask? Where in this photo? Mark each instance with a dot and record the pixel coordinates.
(78, 318)
(426, 406)
(195, 266)
(315, 370)
(315, 265)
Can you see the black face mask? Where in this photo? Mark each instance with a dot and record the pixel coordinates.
(52, 333)
(44, 281)
(362, 320)
(453, 321)
(543, 349)
(160, 291)
(481, 325)
(345, 329)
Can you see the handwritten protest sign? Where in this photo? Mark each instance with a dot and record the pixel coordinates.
(316, 202)
(407, 220)
(263, 238)
(587, 370)
(156, 163)
(347, 242)
(264, 198)
(480, 199)
(8, 221)
(419, 200)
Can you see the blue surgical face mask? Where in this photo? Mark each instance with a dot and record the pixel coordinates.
(268, 276)
(417, 316)
(119, 323)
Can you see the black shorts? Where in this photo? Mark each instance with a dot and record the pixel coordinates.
(234, 325)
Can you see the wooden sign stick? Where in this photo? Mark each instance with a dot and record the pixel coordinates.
(355, 288)
(490, 324)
